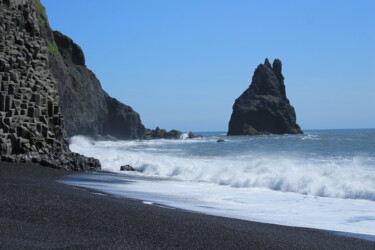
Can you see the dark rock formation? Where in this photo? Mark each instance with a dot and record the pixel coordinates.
(28, 98)
(127, 168)
(123, 122)
(264, 108)
(86, 107)
(161, 134)
(70, 51)
(191, 135)
(164, 134)
(31, 125)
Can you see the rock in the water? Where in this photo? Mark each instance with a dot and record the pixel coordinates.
(127, 168)
(264, 108)
(191, 135)
(220, 140)
(159, 133)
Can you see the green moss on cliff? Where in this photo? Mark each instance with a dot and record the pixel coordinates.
(52, 48)
(40, 12)
(269, 98)
(43, 24)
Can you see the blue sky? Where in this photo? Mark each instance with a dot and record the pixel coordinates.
(181, 64)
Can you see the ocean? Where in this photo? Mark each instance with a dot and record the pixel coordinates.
(322, 179)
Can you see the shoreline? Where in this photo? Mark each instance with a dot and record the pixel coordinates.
(128, 194)
(39, 212)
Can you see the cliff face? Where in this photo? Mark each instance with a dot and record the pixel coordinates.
(75, 92)
(86, 107)
(264, 108)
(31, 125)
(30, 118)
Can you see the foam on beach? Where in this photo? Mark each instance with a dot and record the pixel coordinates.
(336, 177)
(315, 180)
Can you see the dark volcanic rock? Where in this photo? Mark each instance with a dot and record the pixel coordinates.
(31, 124)
(86, 107)
(38, 63)
(127, 168)
(264, 108)
(71, 52)
(64, 160)
(123, 122)
(161, 134)
(191, 135)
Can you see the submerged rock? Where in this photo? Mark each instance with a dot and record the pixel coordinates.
(191, 135)
(159, 133)
(264, 108)
(127, 168)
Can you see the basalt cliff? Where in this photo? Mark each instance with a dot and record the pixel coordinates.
(47, 93)
(86, 107)
(264, 108)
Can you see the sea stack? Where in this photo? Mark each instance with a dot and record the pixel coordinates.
(264, 108)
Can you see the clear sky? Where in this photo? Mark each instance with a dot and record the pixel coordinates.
(181, 64)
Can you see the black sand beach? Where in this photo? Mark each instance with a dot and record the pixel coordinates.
(38, 212)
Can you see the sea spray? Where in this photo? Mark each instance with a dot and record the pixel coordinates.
(244, 162)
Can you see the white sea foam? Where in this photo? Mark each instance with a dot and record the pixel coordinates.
(254, 204)
(336, 177)
(321, 180)
(184, 136)
(310, 137)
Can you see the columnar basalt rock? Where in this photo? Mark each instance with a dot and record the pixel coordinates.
(31, 125)
(264, 108)
(30, 119)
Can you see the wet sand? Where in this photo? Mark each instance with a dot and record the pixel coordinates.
(38, 212)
